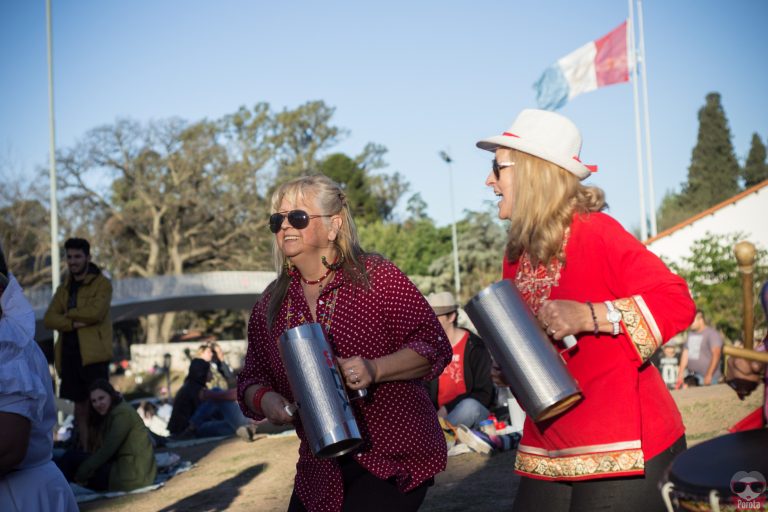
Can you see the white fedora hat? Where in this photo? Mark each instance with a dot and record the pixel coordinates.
(544, 134)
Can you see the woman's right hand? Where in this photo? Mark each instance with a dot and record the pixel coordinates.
(274, 407)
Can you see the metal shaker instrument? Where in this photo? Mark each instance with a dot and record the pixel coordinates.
(537, 374)
(319, 392)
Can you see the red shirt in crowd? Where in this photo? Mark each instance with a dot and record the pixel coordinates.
(402, 438)
(626, 415)
(451, 383)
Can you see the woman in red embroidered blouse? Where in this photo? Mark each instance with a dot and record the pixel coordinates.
(387, 339)
(582, 274)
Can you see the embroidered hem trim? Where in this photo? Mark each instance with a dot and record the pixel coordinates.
(582, 466)
(640, 325)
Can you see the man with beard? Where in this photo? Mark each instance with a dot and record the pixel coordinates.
(79, 310)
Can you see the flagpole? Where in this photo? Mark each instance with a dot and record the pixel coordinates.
(638, 142)
(646, 117)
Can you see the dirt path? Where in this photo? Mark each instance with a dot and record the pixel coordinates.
(258, 477)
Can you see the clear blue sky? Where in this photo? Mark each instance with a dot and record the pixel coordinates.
(416, 77)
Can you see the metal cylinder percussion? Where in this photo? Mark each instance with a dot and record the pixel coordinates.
(537, 374)
(319, 392)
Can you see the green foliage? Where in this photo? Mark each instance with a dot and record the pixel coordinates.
(715, 283)
(481, 242)
(354, 180)
(417, 207)
(299, 136)
(755, 168)
(714, 171)
(413, 246)
(672, 211)
(713, 175)
(370, 197)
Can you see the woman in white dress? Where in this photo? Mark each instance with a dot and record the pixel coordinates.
(29, 480)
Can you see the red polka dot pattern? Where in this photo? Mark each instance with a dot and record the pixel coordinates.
(397, 420)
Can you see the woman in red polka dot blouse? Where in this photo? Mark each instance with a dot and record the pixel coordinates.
(386, 337)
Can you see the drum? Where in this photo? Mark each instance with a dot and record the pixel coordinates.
(538, 376)
(726, 473)
(319, 392)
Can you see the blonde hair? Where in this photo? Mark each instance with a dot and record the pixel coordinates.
(545, 196)
(330, 199)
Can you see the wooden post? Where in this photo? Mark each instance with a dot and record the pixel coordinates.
(745, 256)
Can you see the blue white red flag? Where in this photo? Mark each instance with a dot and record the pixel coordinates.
(596, 64)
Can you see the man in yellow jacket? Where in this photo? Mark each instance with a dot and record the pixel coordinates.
(79, 310)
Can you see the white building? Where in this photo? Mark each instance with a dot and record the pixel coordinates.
(746, 212)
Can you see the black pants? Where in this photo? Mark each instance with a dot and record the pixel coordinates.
(70, 462)
(365, 492)
(629, 494)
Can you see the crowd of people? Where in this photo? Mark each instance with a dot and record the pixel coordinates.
(427, 381)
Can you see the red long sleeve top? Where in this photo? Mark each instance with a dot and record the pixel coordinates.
(626, 415)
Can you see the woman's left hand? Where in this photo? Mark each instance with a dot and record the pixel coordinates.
(358, 373)
(563, 317)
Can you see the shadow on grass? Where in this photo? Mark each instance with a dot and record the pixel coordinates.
(219, 497)
(474, 482)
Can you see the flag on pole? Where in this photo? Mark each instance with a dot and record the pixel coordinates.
(596, 64)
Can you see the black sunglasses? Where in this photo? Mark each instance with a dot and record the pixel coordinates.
(299, 219)
(497, 167)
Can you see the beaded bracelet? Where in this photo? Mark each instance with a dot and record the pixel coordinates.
(257, 397)
(594, 318)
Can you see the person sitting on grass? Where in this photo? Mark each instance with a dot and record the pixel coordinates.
(120, 456)
(464, 391)
(201, 412)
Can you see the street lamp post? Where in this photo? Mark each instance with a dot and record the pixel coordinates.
(457, 280)
(55, 270)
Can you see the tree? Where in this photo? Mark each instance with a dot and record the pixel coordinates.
(171, 197)
(481, 242)
(356, 183)
(413, 246)
(25, 229)
(26, 240)
(417, 207)
(713, 175)
(755, 169)
(182, 197)
(712, 275)
(672, 211)
(299, 136)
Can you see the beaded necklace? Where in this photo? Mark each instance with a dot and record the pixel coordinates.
(325, 318)
(294, 272)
